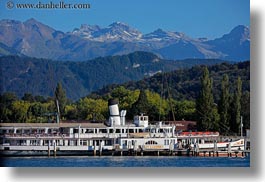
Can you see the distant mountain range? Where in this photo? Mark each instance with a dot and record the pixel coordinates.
(40, 76)
(34, 39)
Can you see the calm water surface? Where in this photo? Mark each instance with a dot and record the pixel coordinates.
(125, 161)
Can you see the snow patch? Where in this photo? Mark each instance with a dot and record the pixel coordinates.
(136, 65)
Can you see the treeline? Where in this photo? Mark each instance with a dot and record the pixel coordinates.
(214, 111)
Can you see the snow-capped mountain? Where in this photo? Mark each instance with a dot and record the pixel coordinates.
(35, 39)
(86, 31)
(160, 34)
(117, 31)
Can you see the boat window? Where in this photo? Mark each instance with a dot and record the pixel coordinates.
(83, 142)
(166, 142)
(102, 131)
(131, 131)
(75, 130)
(96, 142)
(118, 131)
(108, 142)
(151, 142)
(89, 131)
(2, 131)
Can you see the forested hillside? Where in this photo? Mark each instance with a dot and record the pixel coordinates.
(184, 84)
(22, 75)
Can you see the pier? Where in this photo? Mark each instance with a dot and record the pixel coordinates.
(182, 152)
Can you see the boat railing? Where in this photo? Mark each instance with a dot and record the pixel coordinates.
(198, 134)
(37, 135)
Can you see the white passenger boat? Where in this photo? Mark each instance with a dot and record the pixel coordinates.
(114, 135)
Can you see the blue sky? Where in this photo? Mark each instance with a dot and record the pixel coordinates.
(197, 18)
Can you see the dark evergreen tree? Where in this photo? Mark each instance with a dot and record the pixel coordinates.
(245, 109)
(28, 97)
(205, 107)
(236, 107)
(223, 106)
(60, 96)
(141, 105)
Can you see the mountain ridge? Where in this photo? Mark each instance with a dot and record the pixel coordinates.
(35, 39)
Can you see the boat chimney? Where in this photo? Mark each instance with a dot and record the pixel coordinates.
(114, 118)
(123, 114)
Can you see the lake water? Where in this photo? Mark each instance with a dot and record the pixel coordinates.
(125, 161)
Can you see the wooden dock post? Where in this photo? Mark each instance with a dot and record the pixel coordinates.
(54, 149)
(100, 148)
(229, 150)
(95, 152)
(49, 150)
(197, 150)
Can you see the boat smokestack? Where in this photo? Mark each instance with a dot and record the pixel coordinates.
(114, 118)
(123, 114)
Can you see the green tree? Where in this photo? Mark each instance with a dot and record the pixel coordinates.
(223, 106)
(92, 109)
(236, 107)
(20, 111)
(126, 97)
(185, 110)
(205, 107)
(158, 108)
(71, 111)
(6, 101)
(36, 112)
(60, 96)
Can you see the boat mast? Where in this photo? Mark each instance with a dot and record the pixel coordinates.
(169, 99)
(58, 112)
(241, 126)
